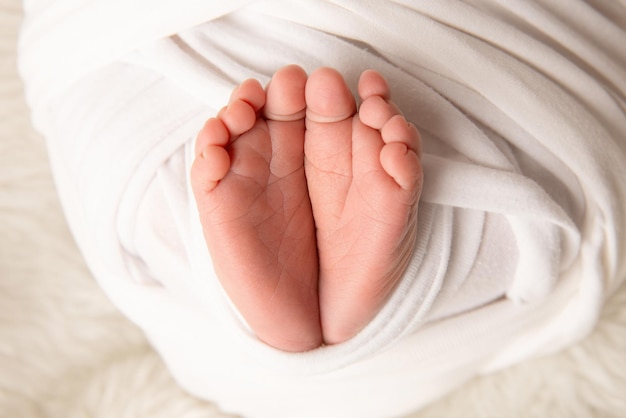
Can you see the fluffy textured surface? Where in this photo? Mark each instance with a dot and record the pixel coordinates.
(66, 352)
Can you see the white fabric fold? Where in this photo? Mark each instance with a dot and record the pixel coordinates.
(521, 106)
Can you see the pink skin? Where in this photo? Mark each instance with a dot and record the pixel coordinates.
(364, 177)
(309, 228)
(250, 187)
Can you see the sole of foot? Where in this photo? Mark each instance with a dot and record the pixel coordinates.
(365, 177)
(250, 187)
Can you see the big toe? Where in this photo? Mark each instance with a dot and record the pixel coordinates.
(328, 98)
(285, 95)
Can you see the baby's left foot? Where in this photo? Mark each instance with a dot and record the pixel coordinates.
(249, 184)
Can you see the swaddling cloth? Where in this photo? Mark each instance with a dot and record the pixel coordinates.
(520, 240)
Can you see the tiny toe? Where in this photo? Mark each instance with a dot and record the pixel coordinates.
(212, 133)
(238, 117)
(371, 83)
(285, 94)
(249, 91)
(397, 129)
(375, 111)
(402, 164)
(209, 167)
(328, 98)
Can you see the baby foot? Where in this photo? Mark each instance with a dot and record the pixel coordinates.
(365, 178)
(250, 187)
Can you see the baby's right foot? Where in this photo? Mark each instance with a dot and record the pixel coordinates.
(365, 178)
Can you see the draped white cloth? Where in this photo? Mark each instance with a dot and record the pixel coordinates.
(522, 109)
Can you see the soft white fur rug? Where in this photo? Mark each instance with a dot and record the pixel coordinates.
(65, 352)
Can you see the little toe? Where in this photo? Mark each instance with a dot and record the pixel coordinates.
(328, 98)
(209, 167)
(212, 133)
(285, 95)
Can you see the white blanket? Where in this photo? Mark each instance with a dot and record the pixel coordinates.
(521, 106)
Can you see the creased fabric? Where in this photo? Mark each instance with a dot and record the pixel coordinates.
(521, 106)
